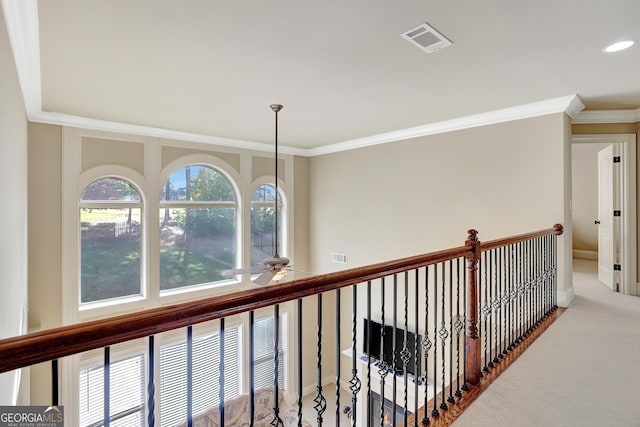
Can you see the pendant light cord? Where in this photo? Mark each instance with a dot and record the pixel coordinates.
(276, 108)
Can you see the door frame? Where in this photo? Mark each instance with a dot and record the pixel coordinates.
(628, 223)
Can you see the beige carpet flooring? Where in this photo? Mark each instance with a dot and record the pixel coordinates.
(583, 371)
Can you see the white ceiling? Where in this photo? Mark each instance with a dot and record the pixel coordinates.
(340, 68)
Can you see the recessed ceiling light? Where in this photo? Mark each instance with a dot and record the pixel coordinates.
(618, 46)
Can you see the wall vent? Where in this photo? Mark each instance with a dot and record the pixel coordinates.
(426, 38)
(339, 257)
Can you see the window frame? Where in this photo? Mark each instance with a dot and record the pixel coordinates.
(283, 228)
(108, 307)
(198, 290)
(114, 204)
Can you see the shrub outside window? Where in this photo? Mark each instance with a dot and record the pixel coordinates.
(110, 242)
(197, 227)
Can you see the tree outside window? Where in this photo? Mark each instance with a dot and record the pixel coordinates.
(197, 227)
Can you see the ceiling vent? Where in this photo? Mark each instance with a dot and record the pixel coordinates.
(426, 38)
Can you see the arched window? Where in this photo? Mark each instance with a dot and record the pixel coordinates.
(110, 243)
(197, 227)
(263, 224)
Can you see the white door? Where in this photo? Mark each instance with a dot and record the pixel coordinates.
(605, 221)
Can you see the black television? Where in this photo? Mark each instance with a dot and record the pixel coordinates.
(372, 347)
(389, 352)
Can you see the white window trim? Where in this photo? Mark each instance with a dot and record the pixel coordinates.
(101, 307)
(172, 296)
(284, 195)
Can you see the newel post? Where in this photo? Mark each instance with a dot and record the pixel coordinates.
(472, 340)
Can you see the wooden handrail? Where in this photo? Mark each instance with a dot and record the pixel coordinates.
(498, 243)
(25, 350)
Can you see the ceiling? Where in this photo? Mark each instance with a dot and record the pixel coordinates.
(340, 68)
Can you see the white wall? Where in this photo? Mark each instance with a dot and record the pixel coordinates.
(416, 196)
(13, 214)
(389, 201)
(585, 195)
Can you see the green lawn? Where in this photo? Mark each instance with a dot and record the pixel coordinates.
(180, 267)
(110, 268)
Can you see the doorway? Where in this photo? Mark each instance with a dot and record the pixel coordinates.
(585, 179)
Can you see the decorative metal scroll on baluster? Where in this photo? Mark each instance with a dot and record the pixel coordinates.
(319, 400)
(277, 421)
(420, 339)
(518, 291)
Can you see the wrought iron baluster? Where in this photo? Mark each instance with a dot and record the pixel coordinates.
(354, 383)
(319, 400)
(221, 371)
(299, 363)
(481, 312)
(405, 355)
(465, 290)
(541, 280)
(491, 323)
(450, 399)
(394, 340)
(496, 304)
(540, 263)
(151, 393)
(505, 300)
(530, 289)
(443, 336)
(547, 278)
(520, 291)
(552, 276)
(435, 413)
(55, 383)
(383, 369)
(370, 338)
(484, 306)
(190, 376)
(426, 346)
(501, 300)
(515, 295)
(459, 326)
(107, 387)
(338, 309)
(416, 354)
(554, 292)
(512, 297)
(252, 376)
(276, 421)
(525, 273)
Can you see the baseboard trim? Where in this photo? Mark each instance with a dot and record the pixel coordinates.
(312, 388)
(590, 255)
(566, 297)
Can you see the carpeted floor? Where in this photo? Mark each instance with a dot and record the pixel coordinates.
(583, 371)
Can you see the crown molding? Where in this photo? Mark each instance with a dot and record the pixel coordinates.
(21, 18)
(108, 126)
(607, 116)
(569, 104)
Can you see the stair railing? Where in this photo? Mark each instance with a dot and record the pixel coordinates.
(457, 322)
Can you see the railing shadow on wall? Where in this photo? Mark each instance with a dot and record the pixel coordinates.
(423, 331)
